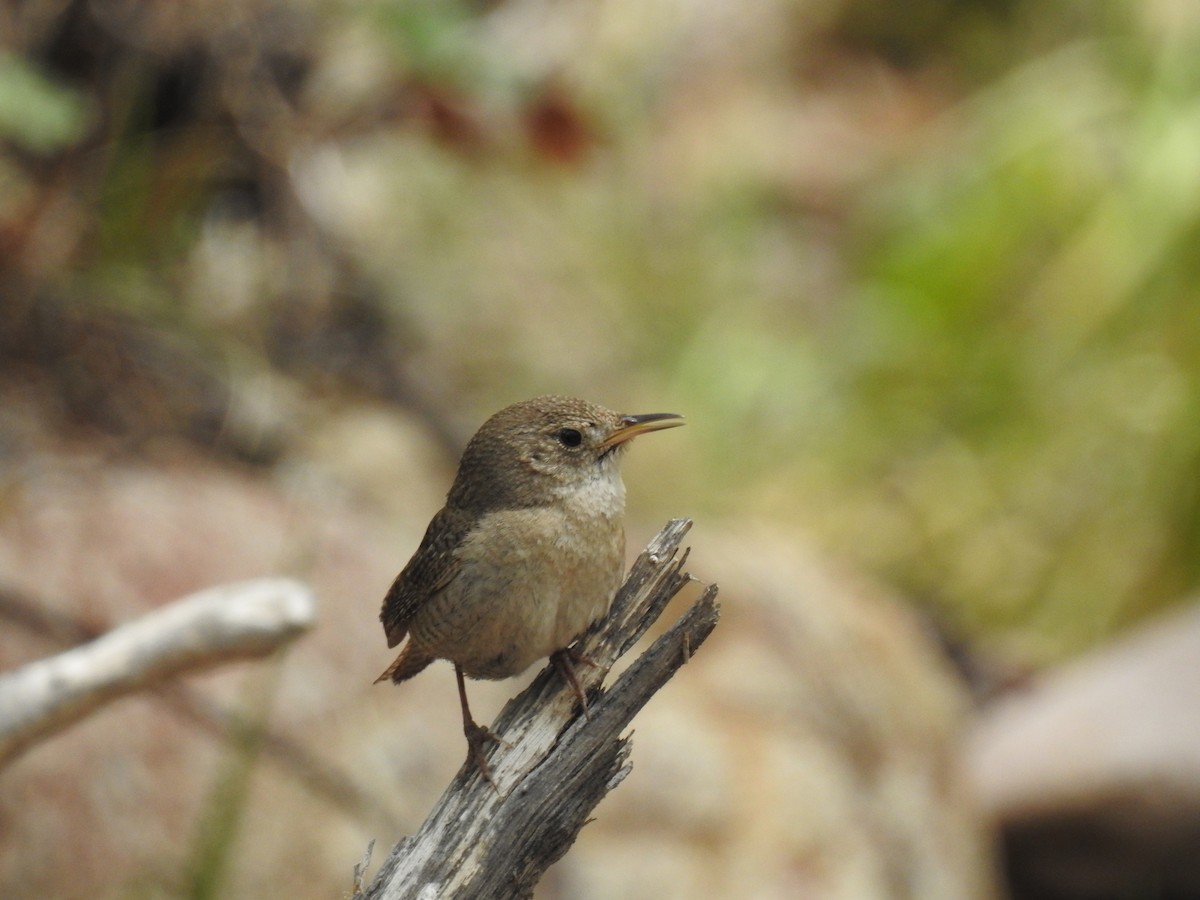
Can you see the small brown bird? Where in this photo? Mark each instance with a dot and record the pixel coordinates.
(527, 552)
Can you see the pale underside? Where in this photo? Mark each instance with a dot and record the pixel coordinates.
(530, 582)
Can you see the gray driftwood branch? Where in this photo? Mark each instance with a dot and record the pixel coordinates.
(215, 626)
(555, 764)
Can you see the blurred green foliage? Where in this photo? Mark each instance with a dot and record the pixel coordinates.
(1038, 281)
(925, 283)
(36, 113)
(1001, 410)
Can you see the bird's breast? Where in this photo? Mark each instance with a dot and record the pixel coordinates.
(531, 580)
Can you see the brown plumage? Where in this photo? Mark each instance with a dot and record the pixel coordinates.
(527, 552)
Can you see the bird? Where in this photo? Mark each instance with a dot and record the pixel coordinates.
(527, 552)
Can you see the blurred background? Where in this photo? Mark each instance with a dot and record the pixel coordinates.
(923, 278)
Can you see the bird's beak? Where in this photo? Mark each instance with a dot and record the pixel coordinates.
(632, 426)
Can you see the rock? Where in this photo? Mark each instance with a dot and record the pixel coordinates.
(1093, 771)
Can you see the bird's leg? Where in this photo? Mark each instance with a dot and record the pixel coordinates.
(477, 735)
(565, 661)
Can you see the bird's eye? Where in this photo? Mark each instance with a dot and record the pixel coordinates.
(569, 437)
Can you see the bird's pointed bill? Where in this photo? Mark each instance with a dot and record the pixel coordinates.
(632, 426)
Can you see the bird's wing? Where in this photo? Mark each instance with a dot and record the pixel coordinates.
(433, 566)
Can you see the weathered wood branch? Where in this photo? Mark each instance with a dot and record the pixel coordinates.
(214, 626)
(555, 764)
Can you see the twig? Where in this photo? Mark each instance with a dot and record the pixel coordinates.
(296, 759)
(212, 627)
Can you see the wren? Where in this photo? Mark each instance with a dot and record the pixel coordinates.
(526, 554)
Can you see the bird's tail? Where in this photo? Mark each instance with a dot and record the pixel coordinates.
(412, 659)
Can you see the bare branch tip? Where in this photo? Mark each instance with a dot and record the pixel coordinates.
(360, 868)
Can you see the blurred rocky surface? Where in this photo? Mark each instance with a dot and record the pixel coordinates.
(1092, 772)
(809, 750)
(118, 803)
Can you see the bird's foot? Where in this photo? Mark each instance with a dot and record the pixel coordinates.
(579, 658)
(565, 661)
(478, 737)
